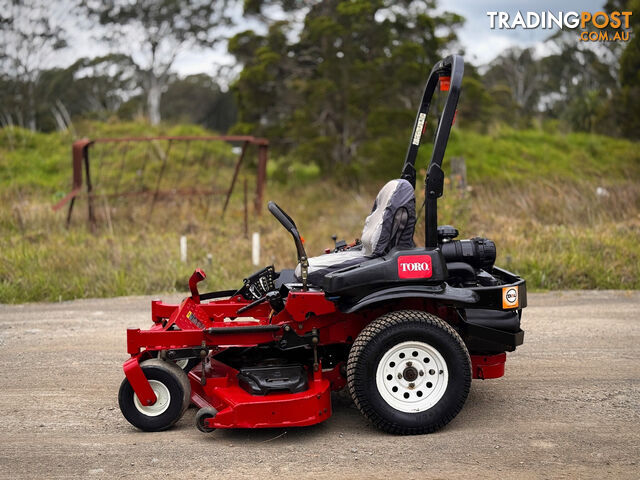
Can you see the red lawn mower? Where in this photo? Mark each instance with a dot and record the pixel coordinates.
(405, 328)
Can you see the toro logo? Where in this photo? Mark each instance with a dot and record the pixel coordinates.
(414, 266)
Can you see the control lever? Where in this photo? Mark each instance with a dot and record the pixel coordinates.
(274, 298)
(290, 226)
(253, 304)
(338, 245)
(304, 272)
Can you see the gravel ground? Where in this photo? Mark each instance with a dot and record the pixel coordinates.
(568, 406)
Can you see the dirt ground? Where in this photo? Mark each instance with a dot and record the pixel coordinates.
(568, 406)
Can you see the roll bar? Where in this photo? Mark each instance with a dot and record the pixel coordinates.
(453, 68)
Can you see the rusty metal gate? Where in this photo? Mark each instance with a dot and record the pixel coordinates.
(160, 148)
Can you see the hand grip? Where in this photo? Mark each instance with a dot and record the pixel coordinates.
(282, 217)
(290, 226)
(197, 276)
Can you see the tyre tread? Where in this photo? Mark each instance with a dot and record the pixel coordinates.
(356, 382)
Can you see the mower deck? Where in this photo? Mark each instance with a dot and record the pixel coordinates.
(239, 409)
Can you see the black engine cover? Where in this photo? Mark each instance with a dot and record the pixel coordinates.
(416, 266)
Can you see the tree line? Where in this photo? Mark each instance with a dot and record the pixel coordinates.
(335, 81)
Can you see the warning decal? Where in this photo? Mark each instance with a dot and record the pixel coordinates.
(510, 297)
(193, 319)
(418, 133)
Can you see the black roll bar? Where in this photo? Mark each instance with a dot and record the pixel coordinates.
(452, 67)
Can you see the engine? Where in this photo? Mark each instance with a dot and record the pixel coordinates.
(466, 259)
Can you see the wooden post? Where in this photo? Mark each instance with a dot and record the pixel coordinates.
(459, 173)
(79, 151)
(235, 176)
(262, 176)
(87, 172)
(246, 210)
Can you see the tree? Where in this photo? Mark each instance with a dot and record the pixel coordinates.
(515, 79)
(154, 32)
(346, 90)
(199, 99)
(625, 104)
(592, 86)
(30, 32)
(90, 87)
(577, 81)
(477, 105)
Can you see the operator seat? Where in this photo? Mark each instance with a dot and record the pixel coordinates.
(390, 224)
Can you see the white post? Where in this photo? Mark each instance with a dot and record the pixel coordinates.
(255, 249)
(183, 249)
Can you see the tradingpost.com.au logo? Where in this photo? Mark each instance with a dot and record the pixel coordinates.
(594, 27)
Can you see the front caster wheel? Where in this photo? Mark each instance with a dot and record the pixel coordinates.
(172, 389)
(185, 364)
(204, 414)
(409, 372)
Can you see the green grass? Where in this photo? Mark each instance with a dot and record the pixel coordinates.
(39, 164)
(507, 156)
(532, 192)
(592, 257)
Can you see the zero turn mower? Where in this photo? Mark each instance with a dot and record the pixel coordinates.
(404, 328)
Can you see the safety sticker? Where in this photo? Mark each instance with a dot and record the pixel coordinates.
(510, 297)
(193, 319)
(418, 133)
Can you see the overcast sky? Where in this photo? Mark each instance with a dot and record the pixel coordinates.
(481, 43)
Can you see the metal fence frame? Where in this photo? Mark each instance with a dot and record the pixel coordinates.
(80, 162)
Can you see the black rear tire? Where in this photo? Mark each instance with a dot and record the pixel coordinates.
(172, 388)
(386, 336)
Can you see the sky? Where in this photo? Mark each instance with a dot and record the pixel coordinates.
(481, 43)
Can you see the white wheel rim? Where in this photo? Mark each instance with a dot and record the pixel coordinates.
(182, 363)
(402, 385)
(162, 403)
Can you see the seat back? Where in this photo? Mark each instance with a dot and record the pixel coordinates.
(392, 220)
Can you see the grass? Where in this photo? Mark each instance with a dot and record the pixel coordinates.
(533, 193)
(507, 156)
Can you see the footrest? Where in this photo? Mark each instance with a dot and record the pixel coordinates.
(263, 380)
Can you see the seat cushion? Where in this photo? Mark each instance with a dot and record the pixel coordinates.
(323, 264)
(381, 233)
(390, 224)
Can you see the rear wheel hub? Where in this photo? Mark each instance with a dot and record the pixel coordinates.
(412, 376)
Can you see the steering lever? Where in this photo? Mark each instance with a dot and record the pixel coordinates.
(253, 304)
(288, 223)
